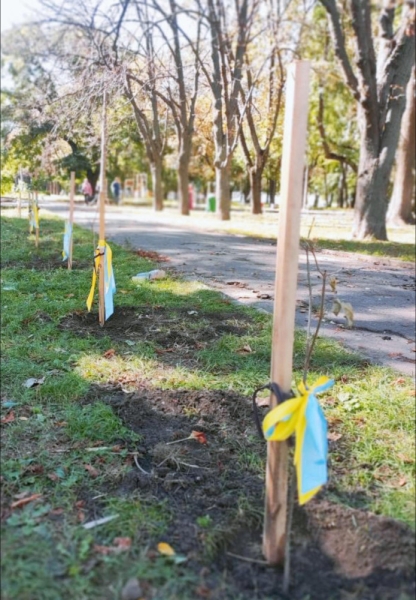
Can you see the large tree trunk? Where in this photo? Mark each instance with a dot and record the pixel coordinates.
(156, 170)
(370, 204)
(400, 207)
(183, 183)
(222, 192)
(255, 182)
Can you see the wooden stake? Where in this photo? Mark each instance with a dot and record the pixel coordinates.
(101, 309)
(71, 215)
(35, 200)
(294, 143)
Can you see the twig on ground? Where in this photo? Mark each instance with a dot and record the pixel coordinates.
(138, 466)
(246, 559)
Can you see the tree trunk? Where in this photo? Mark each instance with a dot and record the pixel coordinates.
(222, 192)
(156, 170)
(255, 182)
(370, 204)
(272, 190)
(183, 184)
(400, 207)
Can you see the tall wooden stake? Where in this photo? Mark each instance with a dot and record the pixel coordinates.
(294, 143)
(71, 216)
(35, 200)
(101, 311)
(19, 199)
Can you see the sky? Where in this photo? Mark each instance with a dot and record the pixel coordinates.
(14, 12)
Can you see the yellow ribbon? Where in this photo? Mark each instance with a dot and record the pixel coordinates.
(288, 418)
(102, 248)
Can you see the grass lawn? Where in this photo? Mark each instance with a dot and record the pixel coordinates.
(91, 440)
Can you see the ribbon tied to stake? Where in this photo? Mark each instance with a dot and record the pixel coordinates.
(304, 417)
(67, 240)
(33, 216)
(109, 283)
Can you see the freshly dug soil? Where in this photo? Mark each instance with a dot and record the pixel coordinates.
(337, 552)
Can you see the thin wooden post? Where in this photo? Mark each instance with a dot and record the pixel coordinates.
(101, 308)
(19, 199)
(71, 216)
(35, 200)
(294, 143)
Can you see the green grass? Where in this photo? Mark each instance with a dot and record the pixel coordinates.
(47, 553)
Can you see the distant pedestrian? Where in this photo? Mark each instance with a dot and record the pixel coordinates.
(116, 190)
(87, 190)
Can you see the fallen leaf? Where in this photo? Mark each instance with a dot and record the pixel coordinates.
(35, 469)
(130, 342)
(80, 516)
(203, 592)
(165, 549)
(264, 296)
(105, 550)
(122, 544)
(80, 503)
(402, 481)
(56, 512)
(245, 349)
(399, 381)
(53, 476)
(110, 353)
(334, 437)
(24, 501)
(32, 382)
(333, 283)
(69, 295)
(199, 436)
(406, 459)
(91, 470)
(8, 418)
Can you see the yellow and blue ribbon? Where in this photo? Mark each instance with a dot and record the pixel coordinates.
(33, 216)
(304, 417)
(109, 281)
(67, 240)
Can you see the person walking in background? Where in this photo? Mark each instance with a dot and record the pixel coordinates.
(116, 190)
(86, 189)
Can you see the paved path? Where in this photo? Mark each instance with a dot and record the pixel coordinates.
(381, 291)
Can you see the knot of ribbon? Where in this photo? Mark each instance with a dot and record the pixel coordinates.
(103, 249)
(304, 417)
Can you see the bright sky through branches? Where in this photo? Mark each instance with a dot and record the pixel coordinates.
(15, 12)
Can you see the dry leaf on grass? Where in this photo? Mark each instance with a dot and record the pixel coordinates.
(333, 436)
(110, 353)
(245, 350)
(8, 418)
(121, 544)
(24, 501)
(91, 470)
(165, 549)
(199, 436)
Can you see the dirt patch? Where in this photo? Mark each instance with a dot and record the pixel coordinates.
(176, 333)
(338, 552)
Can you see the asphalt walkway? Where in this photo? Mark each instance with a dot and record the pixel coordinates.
(381, 291)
